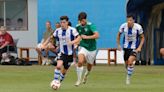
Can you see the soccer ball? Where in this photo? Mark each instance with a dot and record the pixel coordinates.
(55, 84)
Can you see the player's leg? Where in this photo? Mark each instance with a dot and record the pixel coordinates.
(87, 72)
(79, 68)
(62, 74)
(126, 56)
(67, 60)
(90, 58)
(130, 67)
(57, 70)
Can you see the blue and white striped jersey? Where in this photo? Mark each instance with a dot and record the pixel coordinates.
(131, 35)
(63, 37)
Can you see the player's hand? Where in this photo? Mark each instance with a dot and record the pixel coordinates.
(119, 48)
(84, 36)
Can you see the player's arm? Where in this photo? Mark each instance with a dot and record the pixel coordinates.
(76, 41)
(142, 39)
(95, 33)
(5, 44)
(118, 41)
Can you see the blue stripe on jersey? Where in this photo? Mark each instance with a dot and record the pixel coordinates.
(124, 40)
(122, 30)
(64, 46)
(137, 39)
(65, 49)
(72, 38)
(57, 38)
(129, 33)
(124, 35)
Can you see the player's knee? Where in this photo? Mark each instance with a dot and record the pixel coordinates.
(80, 64)
(130, 63)
(58, 67)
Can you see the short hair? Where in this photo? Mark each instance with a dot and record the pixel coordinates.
(2, 28)
(82, 15)
(8, 19)
(20, 20)
(64, 18)
(57, 23)
(130, 16)
(69, 23)
(48, 22)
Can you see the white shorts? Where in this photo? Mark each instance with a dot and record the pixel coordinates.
(90, 56)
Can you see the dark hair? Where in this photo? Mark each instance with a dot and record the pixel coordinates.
(69, 23)
(64, 18)
(57, 23)
(8, 19)
(48, 22)
(20, 20)
(82, 15)
(130, 16)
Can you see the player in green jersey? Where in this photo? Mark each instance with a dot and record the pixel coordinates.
(87, 47)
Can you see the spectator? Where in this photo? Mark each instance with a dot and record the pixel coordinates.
(57, 25)
(9, 24)
(5, 40)
(46, 45)
(20, 25)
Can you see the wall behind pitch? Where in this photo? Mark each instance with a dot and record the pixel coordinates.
(107, 15)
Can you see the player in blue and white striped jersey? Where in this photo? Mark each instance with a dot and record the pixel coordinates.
(66, 38)
(132, 43)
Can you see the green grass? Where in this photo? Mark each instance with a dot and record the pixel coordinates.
(103, 78)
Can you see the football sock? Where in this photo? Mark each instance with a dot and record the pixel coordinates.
(62, 77)
(86, 73)
(79, 71)
(56, 74)
(130, 70)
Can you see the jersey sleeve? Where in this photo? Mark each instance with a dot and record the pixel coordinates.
(56, 37)
(140, 30)
(93, 28)
(121, 29)
(75, 33)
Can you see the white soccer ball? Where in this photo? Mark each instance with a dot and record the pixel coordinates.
(55, 84)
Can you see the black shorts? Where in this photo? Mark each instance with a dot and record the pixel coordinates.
(128, 53)
(67, 60)
(3, 50)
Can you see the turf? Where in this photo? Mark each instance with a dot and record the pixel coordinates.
(103, 78)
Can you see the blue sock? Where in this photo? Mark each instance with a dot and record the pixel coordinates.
(62, 77)
(56, 74)
(130, 70)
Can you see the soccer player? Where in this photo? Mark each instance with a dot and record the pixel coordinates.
(132, 43)
(87, 47)
(66, 37)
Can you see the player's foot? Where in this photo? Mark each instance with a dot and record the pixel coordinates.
(128, 80)
(77, 83)
(84, 80)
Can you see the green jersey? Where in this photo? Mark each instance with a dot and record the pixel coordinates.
(88, 29)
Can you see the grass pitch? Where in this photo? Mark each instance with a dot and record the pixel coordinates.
(103, 78)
